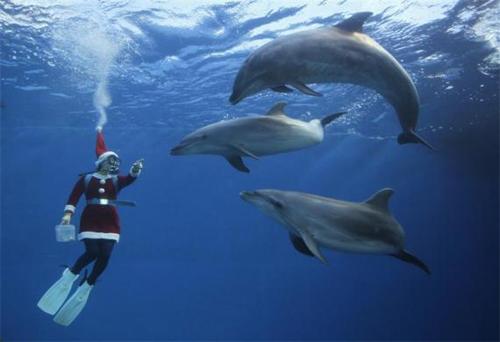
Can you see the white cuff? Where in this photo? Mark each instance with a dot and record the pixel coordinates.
(70, 208)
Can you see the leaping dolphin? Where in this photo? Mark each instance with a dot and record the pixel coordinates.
(315, 221)
(254, 136)
(339, 54)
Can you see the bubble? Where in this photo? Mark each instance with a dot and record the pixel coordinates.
(91, 48)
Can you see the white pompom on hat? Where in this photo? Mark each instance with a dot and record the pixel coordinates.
(101, 151)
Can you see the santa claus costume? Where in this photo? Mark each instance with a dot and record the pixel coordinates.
(99, 219)
(99, 230)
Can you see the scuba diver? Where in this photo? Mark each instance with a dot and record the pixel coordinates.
(99, 231)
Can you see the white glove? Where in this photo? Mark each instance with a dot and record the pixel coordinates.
(66, 219)
(136, 168)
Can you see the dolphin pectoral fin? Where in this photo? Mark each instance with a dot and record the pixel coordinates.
(313, 247)
(410, 137)
(300, 245)
(304, 89)
(244, 151)
(411, 259)
(355, 22)
(282, 89)
(237, 163)
(329, 118)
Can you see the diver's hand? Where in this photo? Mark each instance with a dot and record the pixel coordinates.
(66, 219)
(136, 168)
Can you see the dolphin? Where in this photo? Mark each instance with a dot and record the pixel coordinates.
(315, 221)
(339, 54)
(254, 136)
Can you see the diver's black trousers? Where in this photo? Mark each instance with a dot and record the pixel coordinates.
(98, 250)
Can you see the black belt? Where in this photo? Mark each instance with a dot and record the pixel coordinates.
(105, 201)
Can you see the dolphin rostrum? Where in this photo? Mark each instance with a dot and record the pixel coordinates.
(254, 136)
(315, 221)
(339, 54)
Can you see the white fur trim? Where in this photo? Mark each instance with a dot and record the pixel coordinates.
(101, 176)
(70, 208)
(105, 155)
(99, 235)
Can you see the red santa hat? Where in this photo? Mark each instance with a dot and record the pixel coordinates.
(101, 151)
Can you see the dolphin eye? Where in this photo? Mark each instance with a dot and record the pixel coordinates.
(204, 136)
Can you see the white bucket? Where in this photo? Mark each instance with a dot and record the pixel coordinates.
(65, 232)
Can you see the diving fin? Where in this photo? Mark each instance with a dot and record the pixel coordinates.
(300, 245)
(329, 118)
(282, 89)
(411, 259)
(237, 163)
(410, 137)
(304, 89)
(74, 305)
(55, 296)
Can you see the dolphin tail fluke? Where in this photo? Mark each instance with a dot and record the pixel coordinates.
(410, 137)
(329, 118)
(237, 163)
(411, 259)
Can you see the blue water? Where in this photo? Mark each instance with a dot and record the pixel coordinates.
(194, 261)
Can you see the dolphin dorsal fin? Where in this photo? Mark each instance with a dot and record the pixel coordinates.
(380, 199)
(355, 22)
(277, 109)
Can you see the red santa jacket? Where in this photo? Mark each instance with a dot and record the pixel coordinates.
(99, 221)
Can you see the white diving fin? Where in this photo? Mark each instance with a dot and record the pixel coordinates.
(55, 296)
(74, 305)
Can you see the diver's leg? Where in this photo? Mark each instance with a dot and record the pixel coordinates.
(78, 300)
(91, 253)
(55, 296)
(105, 249)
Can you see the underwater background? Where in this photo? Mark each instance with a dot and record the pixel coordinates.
(195, 261)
